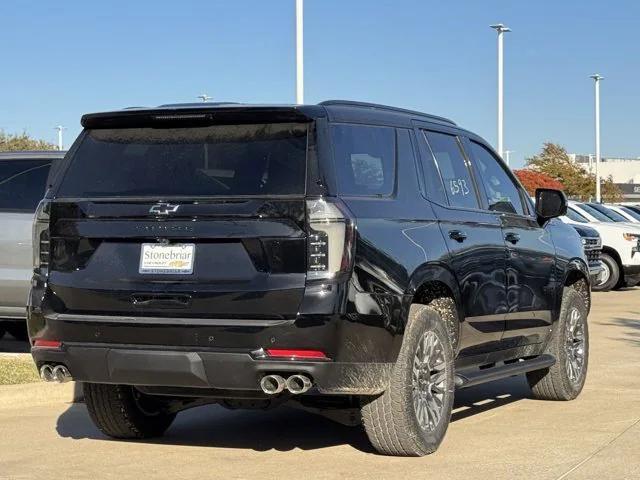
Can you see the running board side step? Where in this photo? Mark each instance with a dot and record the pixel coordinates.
(469, 377)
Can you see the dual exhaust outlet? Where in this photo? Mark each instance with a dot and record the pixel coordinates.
(55, 373)
(295, 384)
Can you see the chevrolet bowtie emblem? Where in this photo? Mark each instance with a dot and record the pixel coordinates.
(164, 208)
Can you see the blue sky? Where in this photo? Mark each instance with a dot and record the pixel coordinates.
(63, 59)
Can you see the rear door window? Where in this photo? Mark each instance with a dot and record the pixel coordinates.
(365, 159)
(454, 169)
(22, 184)
(221, 160)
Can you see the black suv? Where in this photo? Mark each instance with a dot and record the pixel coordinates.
(353, 259)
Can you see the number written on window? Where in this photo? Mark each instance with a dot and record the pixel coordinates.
(453, 169)
(459, 186)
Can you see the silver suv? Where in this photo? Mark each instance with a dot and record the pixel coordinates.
(23, 181)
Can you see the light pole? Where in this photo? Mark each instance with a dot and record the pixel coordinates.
(204, 97)
(299, 52)
(501, 29)
(507, 155)
(60, 128)
(597, 77)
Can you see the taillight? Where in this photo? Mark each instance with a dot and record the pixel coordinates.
(295, 354)
(40, 238)
(329, 239)
(39, 343)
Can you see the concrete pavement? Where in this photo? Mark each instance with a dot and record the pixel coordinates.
(497, 431)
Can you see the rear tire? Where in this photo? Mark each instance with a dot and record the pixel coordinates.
(570, 346)
(120, 411)
(411, 417)
(611, 273)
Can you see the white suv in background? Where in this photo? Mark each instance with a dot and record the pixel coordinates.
(620, 246)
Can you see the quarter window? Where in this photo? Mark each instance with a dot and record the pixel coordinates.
(453, 168)
(502, 193)
(365, 159)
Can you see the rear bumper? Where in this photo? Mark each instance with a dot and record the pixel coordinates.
(210, 369)
(361, 333)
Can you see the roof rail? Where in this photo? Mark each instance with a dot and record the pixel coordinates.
(350, 103)
(29, 154)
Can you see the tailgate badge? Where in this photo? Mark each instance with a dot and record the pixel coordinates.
(164, 208)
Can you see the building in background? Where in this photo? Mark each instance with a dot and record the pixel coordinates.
(624, 171)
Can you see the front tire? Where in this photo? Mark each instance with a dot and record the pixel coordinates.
(570, 346)
(412, 416)
(611, 274)
(120, 411)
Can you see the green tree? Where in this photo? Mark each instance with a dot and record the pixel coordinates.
(17, 142)
(554, 161)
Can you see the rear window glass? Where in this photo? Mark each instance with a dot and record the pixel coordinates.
(22, 184)
(365, 159)
(222, 160)
(453, 169)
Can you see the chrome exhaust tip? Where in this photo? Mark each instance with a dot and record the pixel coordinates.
(272, 384)
(61, 374)
(46, 373)
(298, 384)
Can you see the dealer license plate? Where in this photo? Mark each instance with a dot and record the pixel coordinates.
(176, 259)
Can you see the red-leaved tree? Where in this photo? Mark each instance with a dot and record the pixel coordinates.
(531, 180)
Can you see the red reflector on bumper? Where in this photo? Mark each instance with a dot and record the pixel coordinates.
(296, 354)
(47, 343)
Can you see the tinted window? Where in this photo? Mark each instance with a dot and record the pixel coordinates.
(630, 212)
(22, 184)
(453, 169)
(265, 159)
(613, 215)
(575, 216)
(502, 193)
(432, 181)
(365, 159)
(594, 213)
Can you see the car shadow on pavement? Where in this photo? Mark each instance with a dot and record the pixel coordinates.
(284, 429)
(8, 344)
(632, 329)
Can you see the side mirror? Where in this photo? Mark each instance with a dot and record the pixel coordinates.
(550, 203)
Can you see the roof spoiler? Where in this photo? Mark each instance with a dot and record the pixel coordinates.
(194, 116)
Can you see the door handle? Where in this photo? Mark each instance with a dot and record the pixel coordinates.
(512, 237)
(457, 235)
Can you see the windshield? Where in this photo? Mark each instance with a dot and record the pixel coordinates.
(595, 213)
(575, 216)
(613, 215)
(223, 160)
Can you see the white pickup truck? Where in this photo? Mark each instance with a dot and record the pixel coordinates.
(23, 180)
(620, 246)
